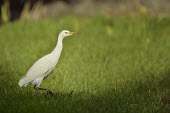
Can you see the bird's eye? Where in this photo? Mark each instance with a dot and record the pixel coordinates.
(66, 32)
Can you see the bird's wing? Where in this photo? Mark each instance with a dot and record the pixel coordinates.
(40, 68)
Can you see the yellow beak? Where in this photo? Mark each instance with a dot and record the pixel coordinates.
(71, 33)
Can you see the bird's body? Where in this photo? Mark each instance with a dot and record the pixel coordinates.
(45, 65)
(41, 68)
(35, 75)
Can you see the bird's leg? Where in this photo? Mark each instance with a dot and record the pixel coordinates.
(36, 91)
(48, 91)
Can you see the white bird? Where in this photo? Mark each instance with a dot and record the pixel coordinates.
(44, 66)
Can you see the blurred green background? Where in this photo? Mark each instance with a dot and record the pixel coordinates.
(119, 63)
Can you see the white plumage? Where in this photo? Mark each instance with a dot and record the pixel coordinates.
(40, 69)
(45, 65)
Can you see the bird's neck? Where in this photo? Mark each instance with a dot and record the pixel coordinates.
(57, 50)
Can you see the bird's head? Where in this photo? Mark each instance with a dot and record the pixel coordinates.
(65, 33)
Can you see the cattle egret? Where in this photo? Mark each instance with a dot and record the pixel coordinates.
(44, 66)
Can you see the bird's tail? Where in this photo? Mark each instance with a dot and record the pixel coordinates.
(22, 82)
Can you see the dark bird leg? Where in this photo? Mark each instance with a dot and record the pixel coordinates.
(48, 91)
(36, 91)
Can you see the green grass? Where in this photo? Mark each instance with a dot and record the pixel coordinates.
(115, 65)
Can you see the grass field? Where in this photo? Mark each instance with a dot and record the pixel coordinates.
(115, 65)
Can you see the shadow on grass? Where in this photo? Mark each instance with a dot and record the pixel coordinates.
(165, 93)
(138, 97)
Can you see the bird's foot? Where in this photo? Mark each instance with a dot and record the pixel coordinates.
(50, 93)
